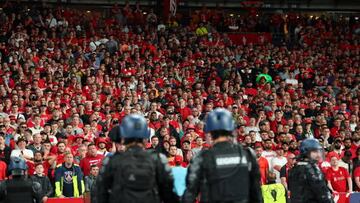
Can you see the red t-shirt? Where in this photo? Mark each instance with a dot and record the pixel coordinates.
(357, 174)
(3, 168)
(264, 169)
(88, 161)
(338, 179)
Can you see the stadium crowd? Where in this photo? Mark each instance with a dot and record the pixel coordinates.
(69, 76)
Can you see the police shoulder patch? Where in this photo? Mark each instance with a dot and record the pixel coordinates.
(228, 160)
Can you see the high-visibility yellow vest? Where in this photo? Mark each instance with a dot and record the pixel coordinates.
(274, 193)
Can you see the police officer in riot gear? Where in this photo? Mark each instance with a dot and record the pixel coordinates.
(226, 172)
(19, 188)
(306, 181)
(135, 175)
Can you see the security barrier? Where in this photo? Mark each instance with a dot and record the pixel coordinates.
(65, 200)
(85, 199)
(338, 197)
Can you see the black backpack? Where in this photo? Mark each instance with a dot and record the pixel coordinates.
(137, 178)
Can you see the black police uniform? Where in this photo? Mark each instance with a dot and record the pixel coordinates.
(225, 173)
(20, 189)
(307, 184)
(135, 175)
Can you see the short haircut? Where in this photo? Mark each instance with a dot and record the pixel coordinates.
(61, 142)
(94, 166)
(68, 153)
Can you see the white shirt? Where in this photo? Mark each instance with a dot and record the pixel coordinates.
(36, 130)
(353, 126)
(52, 22)
(152, 132)
(93, 45)
(26, 152)
(269, 155)
(103, 40)
(256, 130)
(278, 161)
(102, 153)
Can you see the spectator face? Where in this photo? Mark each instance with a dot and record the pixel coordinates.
(291, 159)
(334, 162)
(264, 135)
(2, 140)
(172, 141)
(186, 146)
(154, 141)
(69, 159)
(199, 141)
(172, 150)
(23, 127)
(82, 151)
(61, 148)
(153, 117)
(247, 140)
(87, 128)
(280, 152)
(356, 137)
(7, 122)
(163, 132)
(69, 129)
(326, 132)
(37, 120)
(337, 123)
(258, 151)
(299, 129)
(127, 110)
(94, 171)
(268, 145)
(47, 146)
(278, 115)
(337, 145)
(347, 144)
(39, 169)
(37, 138)
(21, 145)
(92, 150)
(38, 157)
(102, 145)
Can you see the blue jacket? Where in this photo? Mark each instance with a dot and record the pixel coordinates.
(179, 174)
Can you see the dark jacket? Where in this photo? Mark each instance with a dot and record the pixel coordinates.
(307, 184)
(109, 174)
(20, 189)
(46, 188)
(89, 182)
(5, 155)
(172, 133)
(219, 172)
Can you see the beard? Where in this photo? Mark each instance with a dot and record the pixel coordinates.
(337, 147)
